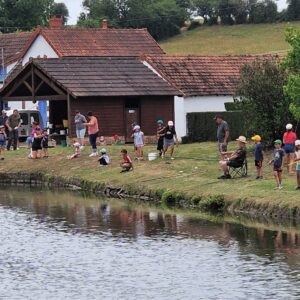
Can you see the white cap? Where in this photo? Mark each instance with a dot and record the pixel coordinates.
(289, 126)
(297, 142)
(76, 145)
(103, 150)
(4, 111)
(170, 123)
(136, 127)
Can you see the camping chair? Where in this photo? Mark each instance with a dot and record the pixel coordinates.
(239, 171)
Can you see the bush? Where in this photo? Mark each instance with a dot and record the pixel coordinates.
(231, 106)
(213, 204)
(202, 127)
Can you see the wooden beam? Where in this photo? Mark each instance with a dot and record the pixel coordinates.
(33, 83)
(28, 86)
(49, 82)
(38, 87)
(69, 114)
(17, 84)
(29, 98)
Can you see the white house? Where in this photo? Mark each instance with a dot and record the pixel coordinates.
(207, 82)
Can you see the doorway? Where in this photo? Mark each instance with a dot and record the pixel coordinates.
(132, 117)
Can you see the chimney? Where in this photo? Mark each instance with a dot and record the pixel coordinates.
(56, 22)
(104, 24)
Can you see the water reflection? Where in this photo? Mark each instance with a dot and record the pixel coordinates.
(169, 255)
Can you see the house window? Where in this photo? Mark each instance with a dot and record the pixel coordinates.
(2, 74)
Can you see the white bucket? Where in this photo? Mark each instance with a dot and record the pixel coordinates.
(62, 132)
(152, 156)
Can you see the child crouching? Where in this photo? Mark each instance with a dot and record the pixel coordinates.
(104, 159)
(126, 162)
(76, 153)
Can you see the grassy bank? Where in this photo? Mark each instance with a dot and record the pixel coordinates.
(193, 174)
(234, 40)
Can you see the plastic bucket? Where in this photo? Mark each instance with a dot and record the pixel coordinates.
(63, 143)
(62, 132)
(65, 123)
(152, 156)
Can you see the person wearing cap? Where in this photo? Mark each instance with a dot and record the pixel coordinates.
(80, 128)
(138, 138)
(289, 138)
(160, 136)
(170, 137)
(13, 123)
(236, 159)
(222, 134)
(104, 159)
(297, 160)
(278, 155)
(2, 141)
(258, 156)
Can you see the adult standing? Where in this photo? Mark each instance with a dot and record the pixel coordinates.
(222, 135)
(170, 137)
(13, 123)
(80, 128)
(289, 138)
(93, 132)
(3, 119)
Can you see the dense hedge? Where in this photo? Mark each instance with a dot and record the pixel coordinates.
(202, 127)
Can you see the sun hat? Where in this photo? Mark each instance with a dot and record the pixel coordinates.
(242, 139)
(136, 127)
(278, 142)
(160, 122)
(170, 123)
(289, 126)
(103, 151)
(297, 143)
(256, 138)
(76, 144)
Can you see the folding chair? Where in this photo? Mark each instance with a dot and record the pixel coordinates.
(239, 171)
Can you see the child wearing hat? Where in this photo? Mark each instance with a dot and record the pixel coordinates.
(138, 137)
(278, 155)
(258, 156)
(297, 159)
(104, 159)
(289, 139)
(2, 141)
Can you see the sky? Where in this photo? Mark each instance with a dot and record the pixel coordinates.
(75, 8)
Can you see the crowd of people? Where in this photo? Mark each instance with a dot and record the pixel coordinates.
(166, 140)
(236, 159)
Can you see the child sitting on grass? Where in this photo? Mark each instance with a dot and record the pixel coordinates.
(258, 156)
(278, 155)
(77, 151)
(2, 141)
(104, 159)
(126, 162)
(297, 159)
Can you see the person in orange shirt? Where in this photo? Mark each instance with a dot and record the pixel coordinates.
(93, 132)
(289, 138)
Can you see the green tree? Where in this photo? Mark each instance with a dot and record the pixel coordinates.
(293, 10)
(292, 64)
(24, 14)
(60, 9)
(263, 12)
(262, 98)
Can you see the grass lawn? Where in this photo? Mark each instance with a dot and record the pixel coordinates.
(190, 173)
(234, 40)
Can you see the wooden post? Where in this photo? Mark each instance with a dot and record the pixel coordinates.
(69, 114)
(33, 84)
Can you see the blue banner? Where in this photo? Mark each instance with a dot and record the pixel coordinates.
(42, 105)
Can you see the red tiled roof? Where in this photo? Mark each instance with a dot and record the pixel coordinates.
(99, 42)
(201, 75)
(13, 44)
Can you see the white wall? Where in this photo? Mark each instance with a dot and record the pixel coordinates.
(40, 47)
(196, 104)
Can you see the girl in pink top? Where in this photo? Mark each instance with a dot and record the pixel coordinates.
(93, 132)
(289, 139)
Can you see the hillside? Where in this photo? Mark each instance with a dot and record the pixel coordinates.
(238, 39)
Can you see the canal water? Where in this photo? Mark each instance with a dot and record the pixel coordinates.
(58, 245)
